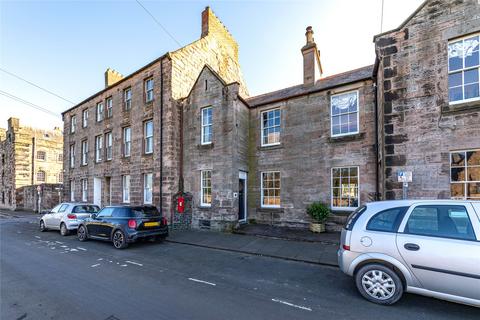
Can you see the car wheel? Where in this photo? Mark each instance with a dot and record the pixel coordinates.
(82, 233)
(63, 229)
(379, 284)
(42, 226)
(119, 240)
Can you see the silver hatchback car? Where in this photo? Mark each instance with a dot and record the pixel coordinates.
(427, 247)
(66, 216)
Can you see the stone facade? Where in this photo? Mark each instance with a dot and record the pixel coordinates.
(173, 75)
(419, 127)
(29, 157)
(339, 139)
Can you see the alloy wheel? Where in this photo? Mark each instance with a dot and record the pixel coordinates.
(81, 233)
(42, 225)
(378, 284)
(118, 239)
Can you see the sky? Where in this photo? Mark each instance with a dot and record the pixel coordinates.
(66, 46)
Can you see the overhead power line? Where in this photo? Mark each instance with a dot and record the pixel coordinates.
(30, 104)
(35, 85)
(158, 23)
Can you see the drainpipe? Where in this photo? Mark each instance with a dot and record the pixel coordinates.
(33, 160)
(377, 147)
(161, 136)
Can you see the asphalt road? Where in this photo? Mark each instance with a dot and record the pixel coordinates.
(47, 276)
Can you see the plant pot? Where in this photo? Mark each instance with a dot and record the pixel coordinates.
(317, 227)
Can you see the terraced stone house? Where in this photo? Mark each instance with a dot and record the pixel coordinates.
(184, 125)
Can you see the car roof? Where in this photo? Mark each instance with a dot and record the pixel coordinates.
(409, 202)
(80, 204)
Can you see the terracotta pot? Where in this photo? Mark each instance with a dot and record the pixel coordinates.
(317, 227)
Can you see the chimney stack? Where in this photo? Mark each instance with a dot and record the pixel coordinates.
(112, 77)
(312, 68)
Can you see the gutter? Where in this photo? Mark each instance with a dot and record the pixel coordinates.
(377, 147)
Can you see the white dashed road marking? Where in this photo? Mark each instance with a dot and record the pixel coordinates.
(135, 263)
(80, 248)
(292, 305)
(37, 237)
(95, 265)
(201, 281)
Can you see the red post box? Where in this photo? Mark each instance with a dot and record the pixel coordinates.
(180, 204)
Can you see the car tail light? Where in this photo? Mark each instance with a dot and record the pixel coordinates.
(345, 247)
(71, 216)
(132, 224)
(164, 221)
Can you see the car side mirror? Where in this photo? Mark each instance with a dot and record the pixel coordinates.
(93, 216)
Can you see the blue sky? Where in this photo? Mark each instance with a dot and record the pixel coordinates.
(65, 46)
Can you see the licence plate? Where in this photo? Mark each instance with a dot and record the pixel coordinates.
(151, 224)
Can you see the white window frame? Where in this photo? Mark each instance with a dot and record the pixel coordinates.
(202, 135)
(148, 189)
(127, 144)
(262, 128)
(73, 124)
(148, 91)
(109, 107)
(44, 174)
(465, 182)
(84, 190)
(72, 155)
(261, 190)
(85, 118)
(44, 158)
(84, 152)
(127, 98)
(202, 188)
(462, 70)
(126, 188)
(100, 111)
(344, 113)
(331, 189)
(98, 148)
(108, 146)
(147, 137)
(72, 190)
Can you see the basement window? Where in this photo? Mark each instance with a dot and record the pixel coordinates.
(463, 69)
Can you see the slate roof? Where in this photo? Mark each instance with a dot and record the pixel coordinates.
(322, 84)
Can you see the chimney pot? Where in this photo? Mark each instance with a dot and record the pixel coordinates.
(309, 35)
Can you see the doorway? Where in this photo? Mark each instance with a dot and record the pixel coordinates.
(97, 191)
(242, 196)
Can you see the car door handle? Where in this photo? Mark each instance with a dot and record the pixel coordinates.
(411, 246)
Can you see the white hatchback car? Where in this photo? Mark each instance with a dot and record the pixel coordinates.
(66, 216)
(427, 247)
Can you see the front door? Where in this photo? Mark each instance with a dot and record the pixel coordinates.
(242, 196)
(97, 191)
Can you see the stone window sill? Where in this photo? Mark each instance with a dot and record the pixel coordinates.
(264, 209)
(352, 137)
(205, 146)
(461, 107)
(204, 207)
(273, 147)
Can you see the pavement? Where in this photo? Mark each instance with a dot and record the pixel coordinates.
(323, 253)
(46, 276)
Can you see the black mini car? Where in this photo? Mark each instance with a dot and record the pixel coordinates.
(123, 225)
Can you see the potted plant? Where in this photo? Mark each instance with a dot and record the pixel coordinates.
(319, 213)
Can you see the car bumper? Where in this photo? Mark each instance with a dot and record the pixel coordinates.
(72, 224)
(345, 259)
(134, 236)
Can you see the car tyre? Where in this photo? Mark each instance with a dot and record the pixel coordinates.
(119, 240)
(42, 226)
(82, 233)
(63, 229)
(379, 284)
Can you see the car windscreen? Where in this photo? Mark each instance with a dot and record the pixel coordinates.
(85, 209)
(142, 212)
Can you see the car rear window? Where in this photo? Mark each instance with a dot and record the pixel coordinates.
(145, 212)
(353, 217)
(86, 209)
